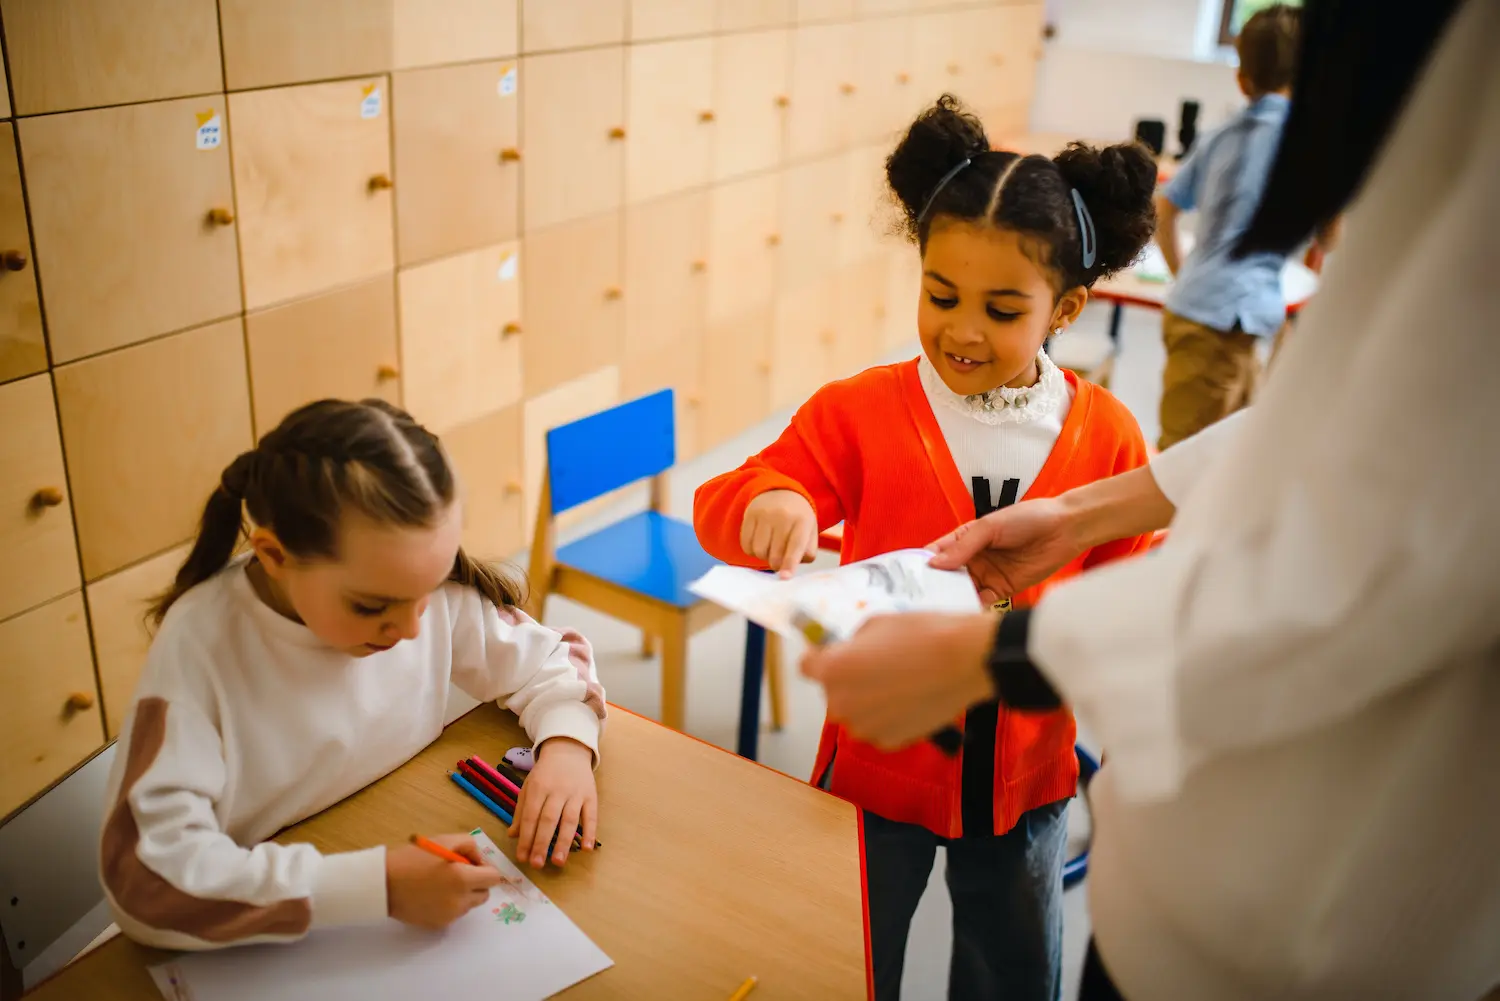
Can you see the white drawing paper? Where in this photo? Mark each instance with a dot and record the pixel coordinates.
(518, 946)
(840, 600)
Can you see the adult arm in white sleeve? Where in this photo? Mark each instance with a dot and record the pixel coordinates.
(1177, 469)
(175, 880)
(545, 676)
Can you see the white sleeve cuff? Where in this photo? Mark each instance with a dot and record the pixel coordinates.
(564, 719)
(1178, 469)
(1105, 642)
(349, 889)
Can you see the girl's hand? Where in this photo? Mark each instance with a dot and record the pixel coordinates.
(556, 797)
(423, 890)
(780, 528)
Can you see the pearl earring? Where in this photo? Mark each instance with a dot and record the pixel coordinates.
(1056, 331)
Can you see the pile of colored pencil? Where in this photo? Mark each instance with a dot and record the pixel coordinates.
(498, 790)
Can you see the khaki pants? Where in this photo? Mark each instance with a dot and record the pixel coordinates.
(1210, 374)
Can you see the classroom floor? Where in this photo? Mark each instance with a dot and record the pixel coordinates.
(715, 655)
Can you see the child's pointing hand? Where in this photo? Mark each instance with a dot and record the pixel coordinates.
(780, 528)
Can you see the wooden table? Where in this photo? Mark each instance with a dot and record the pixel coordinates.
(713, 869)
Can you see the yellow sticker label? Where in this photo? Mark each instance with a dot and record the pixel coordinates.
(369, 105)
(210, 133)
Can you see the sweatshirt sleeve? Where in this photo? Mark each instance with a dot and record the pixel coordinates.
(792, 462)
(173, 878)
(545, 676)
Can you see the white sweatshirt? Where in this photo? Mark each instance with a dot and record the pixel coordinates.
(244, 723)
(1299, 692)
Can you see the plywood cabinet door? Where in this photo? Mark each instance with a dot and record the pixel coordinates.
(341, 344)
(49, 718)
(438, 32)
(1010, 47)
(573, 120)
(859, 314)
(676, 365)
(575, 309)
(36, 518)
(461, 336)
(22, 348)
(487, 454)
(747, 15)
(550, 25)
(823, 90)
(803, 342)
(133, 215)
(736, 383)
(458, 167)
(651, 20)
(938, 49)
(666, 273)
(814, 214)
(744, 245)
(271, 42)
(671, 118)
(117, 610)
(5, 95)
(813, 11)
(903, 287)
(312, 173)
(865, 8)
(869, 212)
(887, 99)
(147, 432)
(751, 75)
(67, 54)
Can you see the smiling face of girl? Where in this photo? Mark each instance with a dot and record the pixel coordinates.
(986, 307)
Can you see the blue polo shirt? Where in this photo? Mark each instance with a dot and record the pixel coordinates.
(1223, 179)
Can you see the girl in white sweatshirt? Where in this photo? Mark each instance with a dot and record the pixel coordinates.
(282, 681)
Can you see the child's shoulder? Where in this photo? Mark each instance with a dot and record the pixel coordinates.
(1107, 416)
(872, 387)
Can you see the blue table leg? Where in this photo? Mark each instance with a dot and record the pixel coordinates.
(755, 669)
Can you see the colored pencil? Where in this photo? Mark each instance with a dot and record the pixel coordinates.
(487, 787)
(432, 847)
(483, 800)
(488, 771)
(510, 790)
(744, 990)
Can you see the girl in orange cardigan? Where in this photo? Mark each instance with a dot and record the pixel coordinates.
(902, 454)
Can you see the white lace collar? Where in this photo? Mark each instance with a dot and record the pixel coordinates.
(1002, 405)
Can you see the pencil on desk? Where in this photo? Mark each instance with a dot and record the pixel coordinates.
(510, 790)
(744, 990)
(484, 785)
(432, 847)
(482, 799)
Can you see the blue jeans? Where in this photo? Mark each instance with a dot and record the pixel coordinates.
(1007, 905)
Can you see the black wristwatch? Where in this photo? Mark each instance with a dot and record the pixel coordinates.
(1018, 683)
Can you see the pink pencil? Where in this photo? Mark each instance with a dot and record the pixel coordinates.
(495, 777)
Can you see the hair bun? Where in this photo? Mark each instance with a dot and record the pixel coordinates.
(942, 137)
(1117, 184)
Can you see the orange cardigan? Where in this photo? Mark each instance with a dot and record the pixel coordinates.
(868, 451)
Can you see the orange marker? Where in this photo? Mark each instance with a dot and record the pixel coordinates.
(433, 848)
(744, 991)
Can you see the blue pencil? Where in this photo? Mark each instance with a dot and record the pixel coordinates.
(484, 800)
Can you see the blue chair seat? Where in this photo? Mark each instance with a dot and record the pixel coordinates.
(649, 553)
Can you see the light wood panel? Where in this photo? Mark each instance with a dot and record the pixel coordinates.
(744, 245)
(656, 19)
(823, 89)
(270, 42)
(676, 364)
(549, 25)
(312, 173)
(803, 341)
(575, 316)
(457, 158)
(887, 99)
(23, 349)
(49, 718)
(736, 381)
(117, 615)
(488, 456)
(671, 118)
(573, 118)
(814, 214)
(937, 55)
(433, 32)
(812, 11)
(751, 75)
(5, 93)
(745, 15)
(36, 524)
(903, 289)
(147, 431)
(666, 273)
(120, 210)
(67, 54)
(859, 312)
(878, 7)
(782, 899)
(341, 344)
(462, 336)
(870, 216)
(587, 394)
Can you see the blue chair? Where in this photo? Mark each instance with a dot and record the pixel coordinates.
(636, 569)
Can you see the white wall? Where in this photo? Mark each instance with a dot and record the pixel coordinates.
(1112, 62)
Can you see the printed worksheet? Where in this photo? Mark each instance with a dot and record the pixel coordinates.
(840, 600)
(518, 946)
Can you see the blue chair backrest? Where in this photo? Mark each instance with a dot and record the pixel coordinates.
(609, 450)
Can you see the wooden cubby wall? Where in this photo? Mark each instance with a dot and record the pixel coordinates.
(503, 214)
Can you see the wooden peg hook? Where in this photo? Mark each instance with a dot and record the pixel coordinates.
(381, 182)
(220, 216)
(14, 260)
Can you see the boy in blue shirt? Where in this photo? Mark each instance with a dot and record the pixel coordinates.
(1220, 307)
